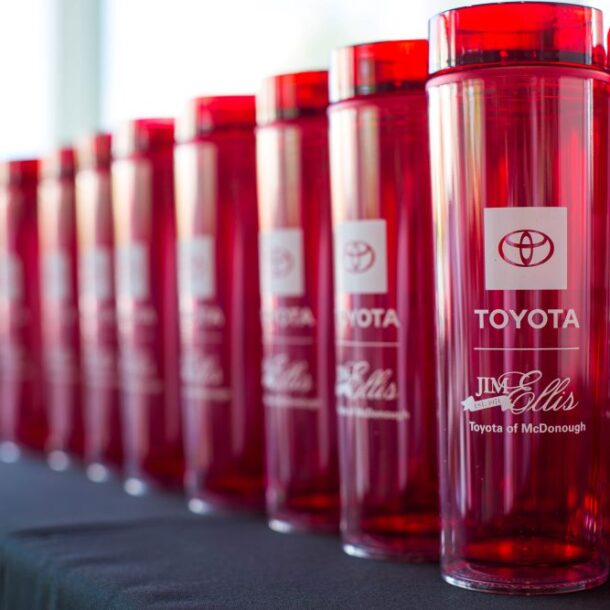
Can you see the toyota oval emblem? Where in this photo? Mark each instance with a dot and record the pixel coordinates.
(282, 262)
(526, 248)
(358, 256)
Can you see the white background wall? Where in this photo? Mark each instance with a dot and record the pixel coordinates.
(189, 47)
(25, 77)
(72, 66)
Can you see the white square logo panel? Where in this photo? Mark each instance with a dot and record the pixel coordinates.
(95, 279)
(56, 275)
(361, 258)
(526, 248)
(282, 262)
(11, 276)
(197, 268)
(132, 271)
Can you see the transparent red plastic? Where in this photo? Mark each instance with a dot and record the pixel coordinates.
(97, 308)
(23, 419)
(219, 304)
(521, 248)
(602, 182)
(517, 33)
(60, 324)
(384, 300)
(147, 303)
(297, 303)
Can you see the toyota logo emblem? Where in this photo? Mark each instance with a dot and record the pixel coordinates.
(526, 248)
(282, 262)
(358, 256)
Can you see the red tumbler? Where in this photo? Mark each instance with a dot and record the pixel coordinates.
(521, 232)
(602, 182)
(219, 303)
(384, 299)
(297, 303)
(23, 420)
(147, 303)
(60, 324)
(103, 447)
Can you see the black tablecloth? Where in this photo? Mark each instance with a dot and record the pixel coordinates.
(66, 543)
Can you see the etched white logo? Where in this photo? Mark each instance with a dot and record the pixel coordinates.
(520, 392)
(361, 257)
(356, 381)
(358, 256)
(201, 369)
(281, 374)
(289, 317)
(282, 262)
(376, 317)
(526, 248)
(534, 318)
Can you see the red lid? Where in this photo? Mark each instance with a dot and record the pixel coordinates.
(290, 96)
(206, 114)
(517, 33)
(19, 172)
(94, 151)
(141, 136)
(377, 67)
(59, 164)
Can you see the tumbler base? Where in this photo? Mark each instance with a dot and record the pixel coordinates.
(214, 503)
(59, 461)
(140, 478)
(305, 512)
(136, 487)
(216, 507)
(410, 537)
(98, 473)
(303, 525)
(533, 580)
(425, 554)
(9, 452)
(199, 507)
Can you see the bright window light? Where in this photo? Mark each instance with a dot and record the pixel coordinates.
(159, 53)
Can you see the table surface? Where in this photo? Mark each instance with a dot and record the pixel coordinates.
(69, 544)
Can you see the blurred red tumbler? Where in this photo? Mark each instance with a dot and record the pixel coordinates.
(384, 300)
(60, 324)
(521, 250)
(602, 182)
(147, 303)
(23, 419)
(219, 303)
(95, 228)
(297, 303)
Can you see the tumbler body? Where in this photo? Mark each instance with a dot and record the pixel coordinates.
(97, 308)
(297, 304)
(384, 300)
(60, 324)
(219, 304)
(521, 240)
(23, 419)
(147, 304)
